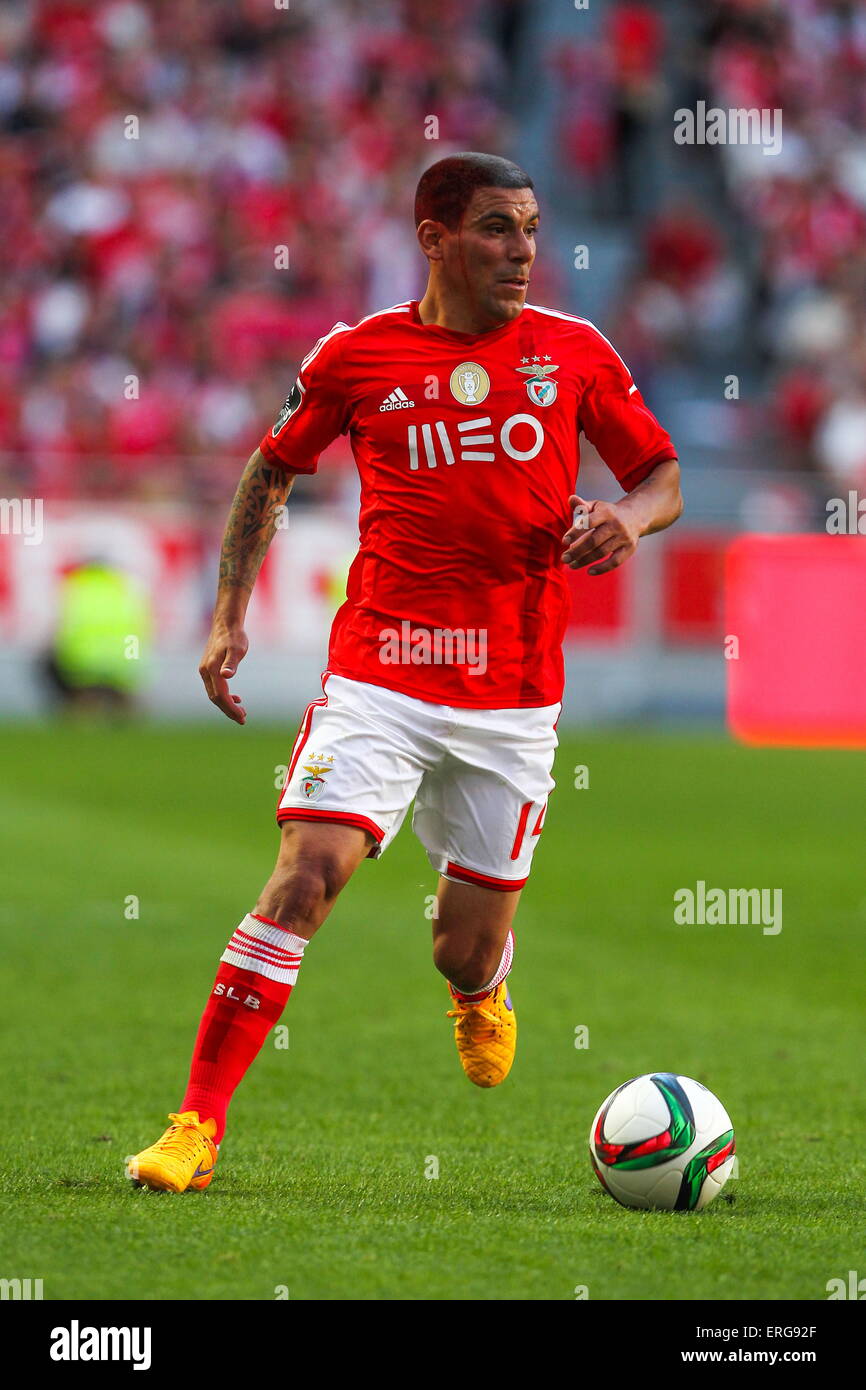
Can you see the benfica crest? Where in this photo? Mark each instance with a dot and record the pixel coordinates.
(540, 388)
(313, 784)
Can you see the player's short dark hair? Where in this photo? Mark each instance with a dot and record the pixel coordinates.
(445, 189)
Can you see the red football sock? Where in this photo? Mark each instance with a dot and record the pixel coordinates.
(257, 972)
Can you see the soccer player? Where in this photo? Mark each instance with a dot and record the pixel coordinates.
(445, 669)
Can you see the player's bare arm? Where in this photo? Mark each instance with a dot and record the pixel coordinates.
(610, 531)
(253, 518)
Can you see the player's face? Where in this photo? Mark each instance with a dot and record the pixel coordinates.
(491, 255)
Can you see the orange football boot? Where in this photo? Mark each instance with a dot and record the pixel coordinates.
(486, 1035)
(184, 1157)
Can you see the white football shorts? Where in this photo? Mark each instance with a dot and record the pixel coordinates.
(480, 778)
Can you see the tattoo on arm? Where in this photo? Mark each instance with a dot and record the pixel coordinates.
(253, 519)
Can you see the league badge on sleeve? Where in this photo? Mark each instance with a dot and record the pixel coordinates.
(290, 405)
(540, 387)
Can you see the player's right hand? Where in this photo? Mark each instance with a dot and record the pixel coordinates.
(225, 650)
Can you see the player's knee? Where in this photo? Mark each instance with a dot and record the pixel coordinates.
(301, 891)
(468, 969)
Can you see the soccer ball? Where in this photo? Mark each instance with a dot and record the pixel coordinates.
(662, 1141)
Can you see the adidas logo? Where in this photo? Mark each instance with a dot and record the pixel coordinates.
(398, 400)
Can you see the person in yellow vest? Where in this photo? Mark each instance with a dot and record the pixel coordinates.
(98, 660)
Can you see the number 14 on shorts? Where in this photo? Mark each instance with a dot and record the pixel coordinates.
(525, 810)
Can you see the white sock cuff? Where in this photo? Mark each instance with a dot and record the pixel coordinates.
(265, 948)
(504, 964)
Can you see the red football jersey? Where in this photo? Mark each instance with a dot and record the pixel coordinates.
(467, 450)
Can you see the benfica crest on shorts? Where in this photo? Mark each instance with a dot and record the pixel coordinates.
(313, 784)
(540, 389)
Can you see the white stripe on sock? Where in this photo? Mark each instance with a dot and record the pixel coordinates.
(265, 949)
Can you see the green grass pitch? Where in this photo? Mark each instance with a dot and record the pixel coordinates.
(321, 1189)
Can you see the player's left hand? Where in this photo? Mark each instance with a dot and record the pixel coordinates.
(606, 540)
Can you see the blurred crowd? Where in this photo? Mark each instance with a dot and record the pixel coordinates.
(191, 191)
(772, 265)
(806, 208)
